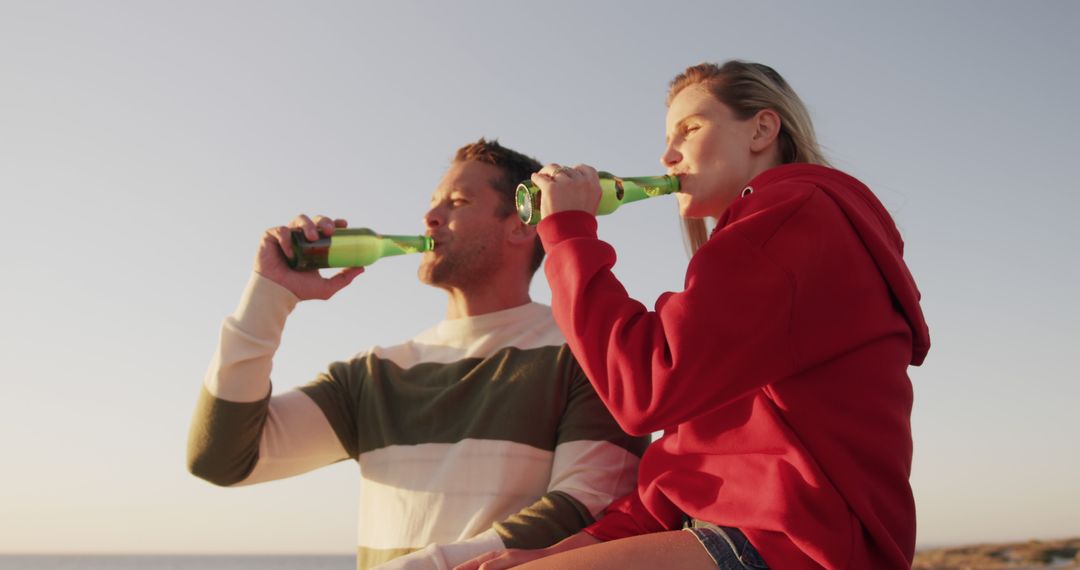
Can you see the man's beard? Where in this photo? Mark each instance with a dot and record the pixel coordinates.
(459, 269)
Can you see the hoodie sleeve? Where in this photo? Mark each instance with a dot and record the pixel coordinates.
(627, 517)
(728, 327)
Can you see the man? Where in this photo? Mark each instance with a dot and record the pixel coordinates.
(479, 434)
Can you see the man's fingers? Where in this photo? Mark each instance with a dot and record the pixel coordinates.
(282, 236)
(347, 275)
(504, 560)
(325, 225)
(304, 223)
(339, 281)
(475, 563)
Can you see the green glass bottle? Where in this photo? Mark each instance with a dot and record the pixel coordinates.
(352, 247)
(615, 191)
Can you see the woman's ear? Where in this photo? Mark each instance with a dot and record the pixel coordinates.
(766, 129)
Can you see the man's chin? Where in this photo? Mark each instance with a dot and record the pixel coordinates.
(424, 274)
(429, 274)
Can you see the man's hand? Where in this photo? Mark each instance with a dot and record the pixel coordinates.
(276, 247)
(502, 559)
(509, 558)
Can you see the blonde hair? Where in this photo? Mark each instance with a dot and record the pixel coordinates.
(747, 88)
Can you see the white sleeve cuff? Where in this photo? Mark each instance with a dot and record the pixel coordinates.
(263, 308)
(240, 370)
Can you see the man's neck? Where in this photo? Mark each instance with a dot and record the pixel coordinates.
(489, 297)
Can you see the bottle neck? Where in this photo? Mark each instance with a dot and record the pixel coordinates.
(634, 188)
(400, 245)
(616, 191)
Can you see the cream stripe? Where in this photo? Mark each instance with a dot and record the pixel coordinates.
(444, 344)
(593, 472)
(296, 439)
(413, 495)
(240, 369)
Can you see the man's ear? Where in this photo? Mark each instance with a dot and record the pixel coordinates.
(520, 233)
(766, 128)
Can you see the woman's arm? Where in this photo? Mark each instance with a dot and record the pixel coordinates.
(720, 338)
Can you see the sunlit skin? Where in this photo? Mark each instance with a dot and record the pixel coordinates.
(480, 259)
(674, 549)
(713, 153)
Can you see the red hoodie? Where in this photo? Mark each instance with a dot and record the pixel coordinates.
(779, 375)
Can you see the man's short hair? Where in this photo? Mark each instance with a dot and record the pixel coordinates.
(515, 168)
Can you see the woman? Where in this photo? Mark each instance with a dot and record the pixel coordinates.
(779, 374)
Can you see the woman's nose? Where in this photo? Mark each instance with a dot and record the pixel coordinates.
(671, 157)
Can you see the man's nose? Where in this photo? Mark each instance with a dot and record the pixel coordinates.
(433, 218)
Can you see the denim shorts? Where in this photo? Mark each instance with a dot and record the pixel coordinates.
(727, 546)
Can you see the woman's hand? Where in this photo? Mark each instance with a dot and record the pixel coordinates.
(563, 188)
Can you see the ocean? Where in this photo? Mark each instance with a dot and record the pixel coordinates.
(176, 562)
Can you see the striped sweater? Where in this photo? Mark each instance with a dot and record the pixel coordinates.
(480, 433)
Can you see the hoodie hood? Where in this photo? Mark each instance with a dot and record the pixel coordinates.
(876, 229)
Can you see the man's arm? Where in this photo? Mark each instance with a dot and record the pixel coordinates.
(595, 463)
(240, 434)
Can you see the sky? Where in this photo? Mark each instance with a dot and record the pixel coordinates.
(145, 146)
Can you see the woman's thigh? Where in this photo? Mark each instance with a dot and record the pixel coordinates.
(673, 549)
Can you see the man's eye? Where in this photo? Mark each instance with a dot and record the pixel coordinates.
(458, 202)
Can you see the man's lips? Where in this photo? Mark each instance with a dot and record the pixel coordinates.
(440, 241)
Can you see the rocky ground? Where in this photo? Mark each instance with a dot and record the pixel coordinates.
(1058, 554)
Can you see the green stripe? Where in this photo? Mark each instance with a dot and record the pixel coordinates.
(554, 517)
(587, 419)
(372, 557)
(223, 441)
(513, 395)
